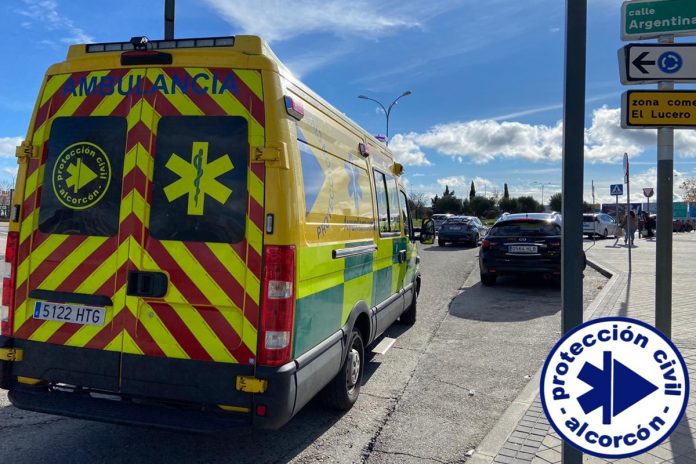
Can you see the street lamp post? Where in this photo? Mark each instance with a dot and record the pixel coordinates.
(542, 189)
(387, 111)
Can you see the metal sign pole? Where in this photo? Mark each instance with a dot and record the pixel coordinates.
(665, 186)
(629, 225)
(169, 19)
(573, 162)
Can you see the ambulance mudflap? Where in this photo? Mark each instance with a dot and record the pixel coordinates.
(139, 254)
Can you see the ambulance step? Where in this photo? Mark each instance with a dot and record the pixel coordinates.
(383, 346)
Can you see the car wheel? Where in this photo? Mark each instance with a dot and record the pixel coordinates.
(408, 317)
(605, 234)
(342, 392)
(476, 241)
(488, 279)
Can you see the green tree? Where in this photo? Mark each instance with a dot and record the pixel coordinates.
(506, 194)
(479, 205)
(508, 205)
(472, 191)
(556, 202)
(448, 204)
(587, 207)
(528, 205)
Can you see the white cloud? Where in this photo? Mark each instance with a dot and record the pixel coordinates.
(483, 141)
(407, 152)
(45, 13)
(8, 146)
(453, 182)
(277, 20)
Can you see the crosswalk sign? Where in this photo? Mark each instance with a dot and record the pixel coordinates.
(616, 189)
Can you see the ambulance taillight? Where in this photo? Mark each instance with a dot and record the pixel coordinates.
(278, 305)
(8, 284)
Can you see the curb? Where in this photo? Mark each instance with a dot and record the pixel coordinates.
(494, 440)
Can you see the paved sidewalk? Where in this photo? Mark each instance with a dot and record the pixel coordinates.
(627, 294)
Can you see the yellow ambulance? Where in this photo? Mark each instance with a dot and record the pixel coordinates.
(197, 241)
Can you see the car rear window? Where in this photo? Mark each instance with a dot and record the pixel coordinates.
(525, 229)
(588, 219)
(457, 221)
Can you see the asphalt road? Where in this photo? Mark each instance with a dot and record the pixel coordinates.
(431, 398)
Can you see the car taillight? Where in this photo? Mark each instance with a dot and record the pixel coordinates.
(8, 284)
(278, 305)
(554, 244)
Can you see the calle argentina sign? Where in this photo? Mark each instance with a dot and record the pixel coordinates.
(653, 18)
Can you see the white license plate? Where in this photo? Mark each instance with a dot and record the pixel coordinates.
(66, 312)
(523, 249)
(455, 228)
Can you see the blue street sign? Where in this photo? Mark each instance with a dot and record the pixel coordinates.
(616, 189)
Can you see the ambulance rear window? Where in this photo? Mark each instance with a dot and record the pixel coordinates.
(82, 177)
(199, 190)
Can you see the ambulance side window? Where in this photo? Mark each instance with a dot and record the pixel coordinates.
(382, 208)
(387, 204)
(406, 216)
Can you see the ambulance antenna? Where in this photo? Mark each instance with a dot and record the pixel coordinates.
(169, 19)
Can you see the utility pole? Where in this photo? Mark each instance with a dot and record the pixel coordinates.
(169, 19)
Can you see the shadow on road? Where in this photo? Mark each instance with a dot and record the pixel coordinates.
(48, 436)
(512, 299)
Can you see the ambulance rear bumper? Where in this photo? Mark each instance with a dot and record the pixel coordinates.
(159, 392)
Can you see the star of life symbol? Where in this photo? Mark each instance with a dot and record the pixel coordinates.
(198, 178)
(614, 387)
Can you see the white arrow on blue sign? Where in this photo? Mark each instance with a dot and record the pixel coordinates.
(616, 189)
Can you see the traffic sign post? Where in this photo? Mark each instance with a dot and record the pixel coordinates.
(617, 191)
(644, 64)
(629, 225)
(641, 19)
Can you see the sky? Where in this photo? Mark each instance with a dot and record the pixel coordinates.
(486, 79)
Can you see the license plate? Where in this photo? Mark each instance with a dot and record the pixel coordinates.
(73, 314)
(523, 249)
(455, 228)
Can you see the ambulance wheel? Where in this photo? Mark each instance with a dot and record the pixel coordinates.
(408, 317)
(342, 392)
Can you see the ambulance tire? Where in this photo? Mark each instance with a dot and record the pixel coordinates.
(408, 317)
(342, 392)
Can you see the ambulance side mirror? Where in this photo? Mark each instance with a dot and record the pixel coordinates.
(427, 235)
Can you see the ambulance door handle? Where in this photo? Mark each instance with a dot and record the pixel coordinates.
(147, 284)
(402, 256)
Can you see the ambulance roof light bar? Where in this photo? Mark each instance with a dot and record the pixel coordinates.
(136, 43)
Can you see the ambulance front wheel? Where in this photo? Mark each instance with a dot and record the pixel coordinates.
(408, 317)
(342, 392)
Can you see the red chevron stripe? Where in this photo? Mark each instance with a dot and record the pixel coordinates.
(92, 101)
(254, 262)
(225, 280)
(226, 333)
(37, 277)
(259, 169)
(251, 311)
(256, 213)
(246, 97)
(180, 331)
(52, 106)
(135, 180)
(89, 265)
(139, 133)
(203, 101)
(131, 227)
(164, 107)
(177, 276)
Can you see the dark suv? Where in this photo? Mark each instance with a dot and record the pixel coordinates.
(521, 244)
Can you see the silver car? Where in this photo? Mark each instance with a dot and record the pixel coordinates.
(599, 225)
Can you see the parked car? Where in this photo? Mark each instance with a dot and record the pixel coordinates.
(599, 224)
(458, 229)
(439, 219)
(522, 243)
(478, 224)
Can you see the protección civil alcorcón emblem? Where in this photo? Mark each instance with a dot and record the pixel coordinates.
(81, 175)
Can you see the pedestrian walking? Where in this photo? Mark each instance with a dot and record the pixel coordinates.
(629, 223)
